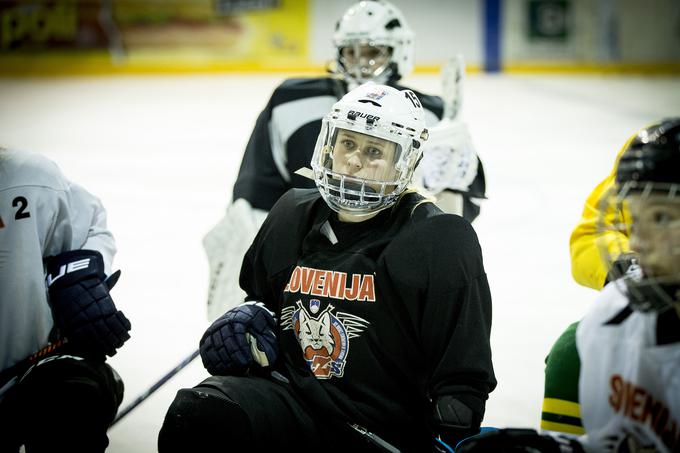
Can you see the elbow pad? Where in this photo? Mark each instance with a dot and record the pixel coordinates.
(454, 420)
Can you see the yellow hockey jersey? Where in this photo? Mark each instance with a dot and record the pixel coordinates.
(595, 233)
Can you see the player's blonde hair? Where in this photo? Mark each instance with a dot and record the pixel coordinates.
(427, 196)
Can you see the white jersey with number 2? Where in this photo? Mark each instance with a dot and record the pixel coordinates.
(41, 214)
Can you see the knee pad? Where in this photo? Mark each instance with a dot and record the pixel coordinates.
(204, 419)
(117, 386)
(84, 394)
(63, 377)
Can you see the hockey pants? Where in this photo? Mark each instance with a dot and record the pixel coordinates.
(238, 413)
(63, 404)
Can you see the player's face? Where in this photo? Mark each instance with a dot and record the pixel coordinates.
(368, 60)
(655, 234)
(364, 156)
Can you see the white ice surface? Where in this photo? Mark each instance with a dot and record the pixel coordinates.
(162, 154)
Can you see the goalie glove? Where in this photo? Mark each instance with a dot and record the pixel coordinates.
(240, 338)
(449, 159)
(81, 305)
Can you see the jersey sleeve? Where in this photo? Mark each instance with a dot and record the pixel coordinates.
(588, 238)
(452, 311)
(275, 248)
(89, 220)
(464, 368)
(259, 179)
(64, 215)
(80, 222)
(561, 412)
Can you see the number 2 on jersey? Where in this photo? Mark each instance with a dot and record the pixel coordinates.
(22, 204)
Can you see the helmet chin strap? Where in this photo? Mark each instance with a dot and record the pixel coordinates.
(351, 217)
(652, 296)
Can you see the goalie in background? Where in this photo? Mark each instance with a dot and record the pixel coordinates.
(373, 43)
(55, 256)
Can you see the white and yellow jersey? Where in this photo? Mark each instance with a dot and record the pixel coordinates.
(629, 384)
(41, 214)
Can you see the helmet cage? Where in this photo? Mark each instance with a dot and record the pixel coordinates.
(362, 196)
(646, 293)
(361, 68)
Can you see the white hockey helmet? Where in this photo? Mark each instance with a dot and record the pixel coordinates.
(373, 42)
(368, 147)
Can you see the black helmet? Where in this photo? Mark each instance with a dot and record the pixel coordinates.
(652, 156)
(649, 168)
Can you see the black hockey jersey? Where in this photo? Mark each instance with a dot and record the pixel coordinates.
(375, 319)
(285, 134)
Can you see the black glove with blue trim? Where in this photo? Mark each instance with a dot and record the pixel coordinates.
(240, 338)
(81, 305)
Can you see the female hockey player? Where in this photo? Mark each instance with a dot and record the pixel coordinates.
(626, 367)
(600, 253)
(373, 43)
(368, 310)
(629, 343)
(55, 255)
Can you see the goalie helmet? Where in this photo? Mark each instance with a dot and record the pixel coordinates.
(648, 196)
(374, 43)
(368, 147)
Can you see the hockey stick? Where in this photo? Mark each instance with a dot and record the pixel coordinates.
(20, 368)
(154, 387)
(374, 439)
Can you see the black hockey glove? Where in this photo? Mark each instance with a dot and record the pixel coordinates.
(82, 308)
(240, 338)
(515, 440)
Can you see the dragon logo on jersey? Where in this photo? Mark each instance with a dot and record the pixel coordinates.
(324, 338)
